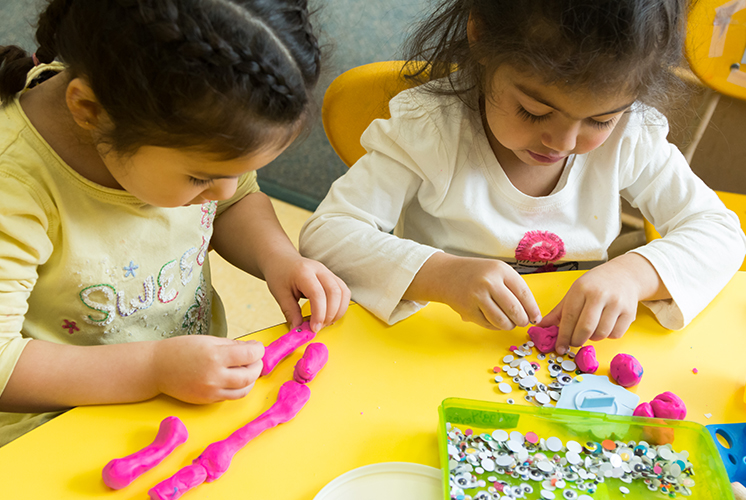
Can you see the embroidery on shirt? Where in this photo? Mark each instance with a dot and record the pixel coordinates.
(130, 269)
(70, 326)
(186, 267)
(202, 251)
(197, 317)
(109, 292)
(142, 301)
(539, 251)
(164, 281)
(209, 208)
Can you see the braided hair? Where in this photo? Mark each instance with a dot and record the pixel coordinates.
(220, 76)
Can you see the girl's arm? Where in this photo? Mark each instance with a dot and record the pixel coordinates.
(249, 236)
(195, 369)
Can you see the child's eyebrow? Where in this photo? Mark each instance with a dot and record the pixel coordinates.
(533, 95)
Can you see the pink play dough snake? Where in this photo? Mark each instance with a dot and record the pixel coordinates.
(282, 347)
(313, 360)
(216, 458)
(122, 471)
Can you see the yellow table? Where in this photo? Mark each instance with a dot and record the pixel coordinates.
(376, 401)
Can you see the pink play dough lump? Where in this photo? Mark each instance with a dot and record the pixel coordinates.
(625, 370)
(586, 359)
(665, 405)
(544, 339)
(644, 410)
(668, 405)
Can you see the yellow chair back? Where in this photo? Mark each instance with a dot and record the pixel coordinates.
(356, 98)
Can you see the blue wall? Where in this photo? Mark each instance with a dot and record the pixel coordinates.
(353, 32)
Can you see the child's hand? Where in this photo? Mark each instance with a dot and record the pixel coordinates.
(603, 302)
(487, 292)
(203, 369)
(293, 278)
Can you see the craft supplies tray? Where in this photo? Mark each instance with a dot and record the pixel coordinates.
(494, 450)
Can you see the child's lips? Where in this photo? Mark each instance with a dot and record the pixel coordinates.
(545, 158)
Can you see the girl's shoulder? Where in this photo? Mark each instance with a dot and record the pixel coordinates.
(431, 99)
(642, 123)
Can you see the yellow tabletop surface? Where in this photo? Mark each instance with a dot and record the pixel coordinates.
(375, 401)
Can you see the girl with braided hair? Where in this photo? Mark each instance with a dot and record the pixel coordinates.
(129, 142)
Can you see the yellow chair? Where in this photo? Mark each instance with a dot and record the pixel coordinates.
(716, 59)
(356, 98)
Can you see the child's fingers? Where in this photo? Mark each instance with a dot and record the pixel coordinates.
(571, 310)
(240, 377)
(622, 325)
(242, 353)
(234, 394)
(317, 298)
(495, 315)
(553, 317)
(334, 291)
(606, 325)
(588, 323)
(517, 285)
(290, 309)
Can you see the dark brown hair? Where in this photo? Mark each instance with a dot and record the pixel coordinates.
(218, 76)
(604, 46)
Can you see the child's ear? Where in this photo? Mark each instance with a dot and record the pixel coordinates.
(472, 35)
(83, 105)
(471, 30)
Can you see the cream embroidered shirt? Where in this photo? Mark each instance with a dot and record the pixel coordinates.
(86, 265)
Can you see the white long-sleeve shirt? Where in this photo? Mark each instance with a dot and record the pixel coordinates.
(430, 176)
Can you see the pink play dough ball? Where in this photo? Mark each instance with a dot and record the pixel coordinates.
(625, 370)
(668, 405)
(644, 410)
(544, 339)
(586, 359)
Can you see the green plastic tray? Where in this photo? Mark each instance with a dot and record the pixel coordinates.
(483, 416)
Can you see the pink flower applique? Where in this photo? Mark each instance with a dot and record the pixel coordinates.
(540, 246)
(70, 326)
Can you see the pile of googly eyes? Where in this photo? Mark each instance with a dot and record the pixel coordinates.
(516, 465)
(523, 373)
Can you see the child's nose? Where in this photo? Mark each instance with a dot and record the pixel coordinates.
(221, 189)
(561, 139)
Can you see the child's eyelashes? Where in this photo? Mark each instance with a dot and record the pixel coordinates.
(200, 182)
(523, 113)
(602, 125)
(530, 116)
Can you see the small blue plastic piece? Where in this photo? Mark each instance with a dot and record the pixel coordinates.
(598, 394)
(734, 456)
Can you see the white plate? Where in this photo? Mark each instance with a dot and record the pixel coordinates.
(386, 481)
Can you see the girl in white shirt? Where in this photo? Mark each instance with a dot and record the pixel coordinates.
(516, 163)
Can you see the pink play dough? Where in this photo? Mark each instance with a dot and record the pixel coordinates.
(668, 405)
(586, 359)
(216, 458)
(122, 471)
(313, 360)
(280, 348)
(665, 405)
(626, 370)
(544, 339)
(644, 410)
